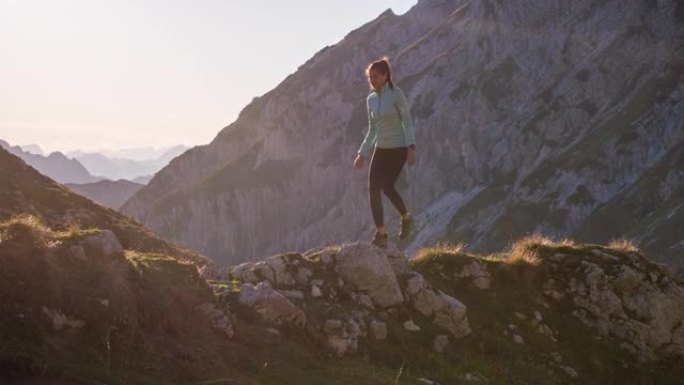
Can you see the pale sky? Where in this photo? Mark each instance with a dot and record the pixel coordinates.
(108, 74)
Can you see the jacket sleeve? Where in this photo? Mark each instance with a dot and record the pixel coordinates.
(371, 134)
(405, 114)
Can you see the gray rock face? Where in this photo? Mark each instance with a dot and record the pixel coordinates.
(628, 298)
(368, 270)
(350, 292)
(273, 306)
(553, 117)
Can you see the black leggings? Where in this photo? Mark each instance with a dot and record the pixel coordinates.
(385, 168)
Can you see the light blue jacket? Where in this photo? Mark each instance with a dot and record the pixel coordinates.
(389, 120)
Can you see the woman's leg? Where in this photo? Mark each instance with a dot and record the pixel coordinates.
(375, 183)
(395, 160)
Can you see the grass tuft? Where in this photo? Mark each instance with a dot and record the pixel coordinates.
(526, 251)
(625, 245)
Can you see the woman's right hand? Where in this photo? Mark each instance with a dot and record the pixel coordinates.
(358, 162)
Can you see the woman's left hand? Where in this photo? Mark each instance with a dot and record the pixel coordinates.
(411, 156)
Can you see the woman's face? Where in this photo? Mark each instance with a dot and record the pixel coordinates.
(376, 79)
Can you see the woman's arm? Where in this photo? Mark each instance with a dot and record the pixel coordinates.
(369, 140)
(405, 114)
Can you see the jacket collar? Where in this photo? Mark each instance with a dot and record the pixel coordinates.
(383, 89)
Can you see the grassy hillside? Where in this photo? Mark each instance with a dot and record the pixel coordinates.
(77, 311)
(23, 190)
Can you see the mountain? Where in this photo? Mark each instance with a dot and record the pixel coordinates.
(532, 117)
(25, 191)
(107, 193)
(123, 168)
(33, 149)
(56, 165)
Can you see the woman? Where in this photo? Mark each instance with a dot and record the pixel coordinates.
(391, 136)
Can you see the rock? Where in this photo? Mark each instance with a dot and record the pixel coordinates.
(263, 271)
(244, 273)
(425, 381)
(440, 343)
(627, 280)
(60, 321)
(367, 269)
(378, 330)
(453, 317)
(106, 243)
(422, 297)
(411, 326)
(518, 339)
(303, 276)
(342, 337)
(271, 305)
(570, 371)
(293, 294)
(316, 292)
(279, 267)
(364, 300)
(398, 260)
(479, 274)
(218, 318)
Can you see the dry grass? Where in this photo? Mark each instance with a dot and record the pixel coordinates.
(526, 250)
(625, 245)
(445, 248)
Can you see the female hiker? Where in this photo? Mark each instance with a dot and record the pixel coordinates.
(391, 137)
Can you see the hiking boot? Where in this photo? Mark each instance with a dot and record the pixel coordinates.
(380, 240)
(405, 227)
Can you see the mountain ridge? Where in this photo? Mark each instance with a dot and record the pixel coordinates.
(530, 117)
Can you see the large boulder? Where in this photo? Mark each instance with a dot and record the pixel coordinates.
(369, 270)
(273, 306)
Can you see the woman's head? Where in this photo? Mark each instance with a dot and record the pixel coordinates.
(379, 72)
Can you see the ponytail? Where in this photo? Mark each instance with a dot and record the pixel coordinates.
(382, 66)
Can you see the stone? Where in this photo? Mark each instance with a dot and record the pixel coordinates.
(367, 269)
(316, 292)
(271, 305)
(422, 297)
(61, 321)
(218, 318)
(303, 276)
(453, 317)
(106, 243)
(627, 280)
(570, 371)
(342, 337)
(518, 339)
(481, 278)
(440, 343)
(279, 267)
(411, 326)
(244, 273)
(364, 300)
(378, 330)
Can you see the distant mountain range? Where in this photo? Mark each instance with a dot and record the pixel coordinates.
(89, 167)
(56, 165)
(114, 168)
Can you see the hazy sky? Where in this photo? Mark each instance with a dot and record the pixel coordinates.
(94, 74)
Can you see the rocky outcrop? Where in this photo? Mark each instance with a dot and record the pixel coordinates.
(622, 296)
(343, 294)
